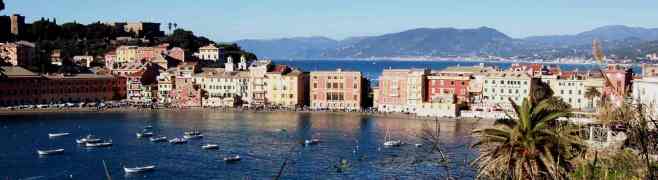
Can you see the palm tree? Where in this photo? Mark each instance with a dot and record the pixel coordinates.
(528, 144)
(592, 93)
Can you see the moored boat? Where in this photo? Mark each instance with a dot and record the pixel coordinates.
(178, 141)
(144, 134)
(52, 135)
(195, 136)
(50, 152)
(210, 146)
(393, 143)
(98, 144)
(158, 139)
(139, 169)
(232, 158)
(88, 139)
(311, 141)
(192, 133)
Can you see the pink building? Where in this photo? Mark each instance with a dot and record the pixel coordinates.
(619, 83)
(177, 54)
(336, 90)
(18, 54)
(401, 90)
(186, 92)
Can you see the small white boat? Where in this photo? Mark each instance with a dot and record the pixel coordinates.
(418, 145)
(178, 141)
(148, 127)
(232, 158)
(192, 133)
(50, 152)
(311, 141)
(210, 146)
(144, 134)
(158, 139)
(99, 144)
(52, 135)
(88, 139)
(394, 143)
(139, 169)
(195, 136)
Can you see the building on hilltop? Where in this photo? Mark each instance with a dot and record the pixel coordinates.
(13, 25)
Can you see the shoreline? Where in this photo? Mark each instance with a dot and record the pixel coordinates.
(4, 112)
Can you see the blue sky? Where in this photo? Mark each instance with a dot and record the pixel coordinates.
(228, 20)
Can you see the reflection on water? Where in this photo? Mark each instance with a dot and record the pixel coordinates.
(264, 140)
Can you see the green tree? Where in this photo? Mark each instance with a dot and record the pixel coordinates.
(2, 5)
(592, 93)
(527, 145)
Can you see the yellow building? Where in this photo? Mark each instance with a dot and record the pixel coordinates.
(126, 54)
(287, 87)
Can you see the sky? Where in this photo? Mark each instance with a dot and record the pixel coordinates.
(230, 20)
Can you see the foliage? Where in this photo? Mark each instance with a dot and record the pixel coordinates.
(621, 165)
(528, 144)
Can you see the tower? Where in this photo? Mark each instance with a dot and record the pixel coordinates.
(229, 66)
(243, 63)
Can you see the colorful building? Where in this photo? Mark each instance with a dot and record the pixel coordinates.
(209, 53)
(22, 87)
(221, 88)
(287, 87)
(186, 93)
(500, 87)
(257, 92)
(618, 83)
(336, 90)
(401, 90)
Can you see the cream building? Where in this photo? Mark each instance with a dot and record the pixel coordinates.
(645, 92)
(126, 54)
(498, 87)
(287, 87)
(165, 86)
(257, 90)
(209, 53)
(222, 88)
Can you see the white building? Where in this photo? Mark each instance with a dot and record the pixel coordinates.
(209, 53)
(645, 91)
(499, 87)
(165, 86)
(222, 88)
(84, 61)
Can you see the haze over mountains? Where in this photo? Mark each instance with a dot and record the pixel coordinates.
(618, 40)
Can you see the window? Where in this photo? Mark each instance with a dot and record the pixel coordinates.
(328, 86)
(355, 86)
(356, 97)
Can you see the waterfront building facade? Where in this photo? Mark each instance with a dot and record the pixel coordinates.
(401, 90)
(257, 92)
(500, 87)
(221, 88)
(336, 90)
(187, 93)
(287, 87)
(22, 87)
(165, 87)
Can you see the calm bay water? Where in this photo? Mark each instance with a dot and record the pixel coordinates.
(257, 137)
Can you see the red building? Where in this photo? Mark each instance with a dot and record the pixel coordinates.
(19, 86)
(445, 84)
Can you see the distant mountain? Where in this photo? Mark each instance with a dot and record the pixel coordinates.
(427, 42)
(622, 41)
(605, 33)
(298, 47)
